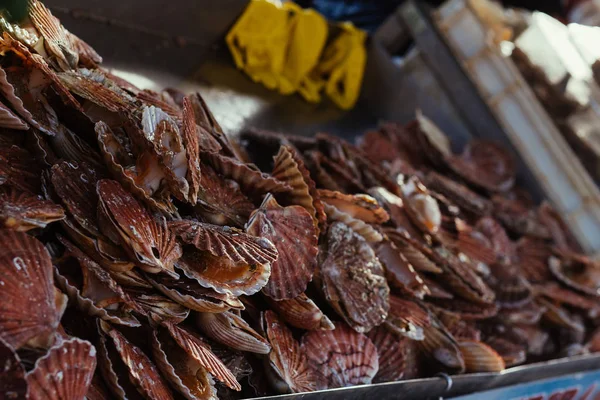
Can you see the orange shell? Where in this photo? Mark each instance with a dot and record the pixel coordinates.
(301, 312)
(399, 272)
(341, 357)
(286, 358)
(352, 279)
(480, 357)
(27, 268)
(232, 331)
(391, 350)
(22, 211)
(292, 232)
(65, 373)
(13, 384)
(359, 206)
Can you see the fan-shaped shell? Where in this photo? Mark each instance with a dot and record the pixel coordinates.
(189, 134)
(562, 295)
(459, 194)
(559, 231)
(292, 232)
(359, 206)
(391, 351)
(22, 211)
(13, 384)
(512, 353)
(231, 330)
(301, 312)
(422, 208)
(87, 55)
(148, 303)
(26, 268)
(394, 205)
(19, 169)
(497, 236)
(511, 288)
(468, 310)
(518, 219)
(369, 233)
(433, 142)
(440, 345)
(65, 373)
(474, 244)
(459, 328)
(341, 357)
(286, 359)
(480, 357)
(9, 120)
(407, 318)
(352, 279)
(102, 91)
(532, 257)
(579, 273)
(399, 272)
(417, 254)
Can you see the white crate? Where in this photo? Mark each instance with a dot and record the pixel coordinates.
(563, 178)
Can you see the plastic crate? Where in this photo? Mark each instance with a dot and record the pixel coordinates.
(563, 178)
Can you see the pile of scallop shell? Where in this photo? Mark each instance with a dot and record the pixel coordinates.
(138, 239)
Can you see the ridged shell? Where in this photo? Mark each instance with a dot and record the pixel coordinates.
(422, 208)
(19, 169)
(578, 273)
(433, 142)
(391, 351)
(417, 254)
(26, 268)
(369, 233)
(511, 288)
(290, 169)
(440, 345)
(459, 194)
(352, 279)
(459, 328)
(154, 247)
(556, 292)
(183, 372)
(394, 205)
(436, 291)
(474, 245)
(292, 232)
(232, 331)
(480, 357)
(158, 100)
(532, 257)
(399, 272)
(497, 236)
(140, 370)
(200, 351)
(65, 373)
(512, 353)
(87, 55)
(8, 92)
(321, 177)
(22, 211)
(560, 316)
(149, 304)
(529, 314)
(13, 384)
(359, 206)
(104, 94)
(9, 120)
(559, 231)
(534, 338)
(407, 318)
(302, 313)
(189, 134)
(518, 219)
(468, 310)
(286, 358)
(341, 357)
(224, 241)
(67, 145)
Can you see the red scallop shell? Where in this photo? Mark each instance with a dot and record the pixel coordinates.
(102, 92)
(321, 177)
(436, 291)
(440, 346)
(148, 303)
(562, 295)
(159, 100)
(459, 328)
(497, 236)
(511, 288)
(65, 373)
(341, 357)
(392, 353)
(532, 257)
(301, 312)
(293, 233)
(493, 168)
(368, 232)
(407, 318)
(433, 143)
(232, 331)
(152, 244)
(560, 316)
(395, 208)
(13, 384)
(418, 255)
(352, 279)
(559, 231)
(286, 358)
(467, 309)
(19, 169)
(87, 55)
(27, 268)
(290, 169)
(518, 219)
(577, 272)
(379, 146)
(9, 120)
(422, 208)
(22, 211)
(459, 194)
(480, 357)
(359, 206)
(474, 244)
(534, 338)
(189, 134)
(529, 314)
(399, 272)
(223, 241)
(513, 354)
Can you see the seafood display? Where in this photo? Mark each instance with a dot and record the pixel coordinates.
(146, 254)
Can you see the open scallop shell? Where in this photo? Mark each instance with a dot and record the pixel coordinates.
(417, 254)
(480, 357)
(392, 353)
(369, 233)
(352, 279)
(497, 236)
(65, 373)
(151, 243)
(13, 384)
(232, 331)
(292, 232)
(341, 357)
(399, 272)
(9, 120)
(407, 318)
(459, 194)
(579, 273)
(301, 312)
(223, 241)
(359, 206)
(139, 370)
(19, 169)
(286, 360)
(420, 206)
(27, 268)
(22, 211)
(289, 168)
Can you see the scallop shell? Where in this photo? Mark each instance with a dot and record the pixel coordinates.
(27, 268)
(529, 314)
(131, 278)
(14, 102)
(69, 146)
(497, 236)
(422, 208)
(459, 194)
(369, 233)
(292, 232)
(321, 177)
(554, 291)
(417, 254)
(65, 373)
(21, 211)
(341, 357)
(189, 134)
(232, 331)
(13, 384)
(518, 219)
(289, 168)
(559, 231)
(359, 206)
(19, 169)
(436, 291)
(141, 372)
(474, 244)
(467, 309)
(534, 338)
(395, 208)
(352, 279)
(226, 242)
(560, 317)
(391, 351)
(407, 318)
(579, 273)
(148, 303)
(399, 272)
(302, 313)
(158, 100)
(379, 146)
(183, 372)
(511, 288)
(152, 244)
(87, 55)
(102, 91)
(9, 120)
(344, 178)
(440, 345)
(532, 257)
(287, 360)
(480, 357)
(459, 328)
(513, 354)
(433, 142)
(190, 294)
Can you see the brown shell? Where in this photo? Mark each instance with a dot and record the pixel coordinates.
(399, 272)
(189, 134)
(497, 236)
(511, 288)
(9, 120)
(322, 178)
(560, 316)
(19, 169)
(200, 351)
(289, 168)
(559, 231)
(534, 338)
(467, 309)
(433, 142)
(578, 273)
(518, 219)
(8, 91)
(359, 206)
(440, 345)
(13, 384)
(287, 360)
(27, 268)
(474, 244)
(148, 303)
(231, 330)
(532, 257)
(422, 208)
(369, 233)
(391, 351)
(513, 354)
(395, 208)
(556, 292)
(436, 291)
(151, 243)
(407, 318)
(302, 313)
(140, 370)
(418, 255)
(292, 232)
(341, 357)
(87, 55)
(104, 93)
(529, 314)
(67, 145)
(224, 241)
(159, 100)
(480, 357)
(22, 211)
(65, 373)
(459, 194)
(459, 328)
(352, 279)
(183, 372)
